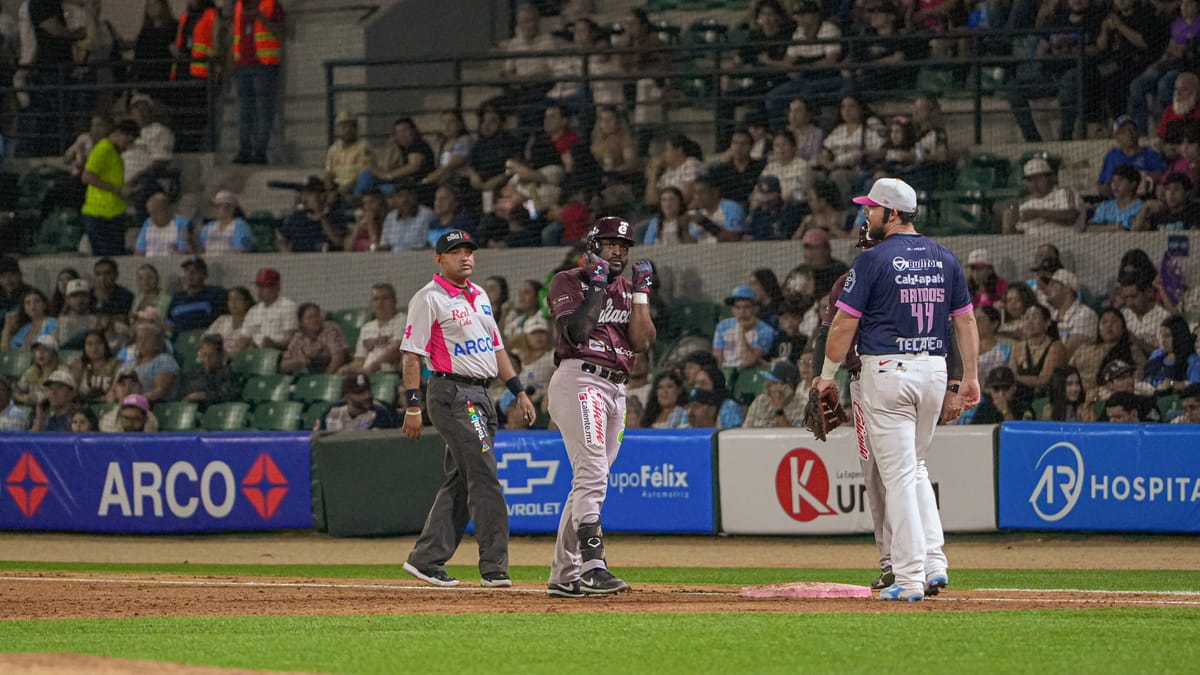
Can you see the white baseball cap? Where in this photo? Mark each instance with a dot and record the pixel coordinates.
(892, 193)
(536, 322)
(1037, 167)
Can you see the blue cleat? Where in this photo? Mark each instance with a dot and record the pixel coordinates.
(936, 584)
(897, 592)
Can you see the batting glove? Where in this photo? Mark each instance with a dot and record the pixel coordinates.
(599, 272)
(643, 272)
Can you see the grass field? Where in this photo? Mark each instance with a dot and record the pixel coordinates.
(1086, 640)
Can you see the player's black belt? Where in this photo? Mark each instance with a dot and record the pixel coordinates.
(477, 381)
(614, 376)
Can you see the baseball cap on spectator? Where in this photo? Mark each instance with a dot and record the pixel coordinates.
(267, 276)
(742, 292)
(769, 184)
(150, 314)
(78, 286)
(452, 240)
(1066, 278)
(980, 257)
(1116, 369)
(194, 260)
(136, 401)
(816, 237)
(344, 118)
(129, 375)
(356, 384)
(1000, 376)
(313, 184)
(785, 372)
(47, 342)
(225, 198)
(1036, 167)
(9, 265)
(535, 323)
(1122, 121)
(705, 397)
(892, 193)
(141, 98)
(61, 376)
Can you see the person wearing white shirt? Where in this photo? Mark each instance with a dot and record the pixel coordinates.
(1049, 209)
(1143, 315)
(165, 232)
(406, 227)
(378, 347)
(1077, 323)
(794, 174)
(151, 152)
(272, 321)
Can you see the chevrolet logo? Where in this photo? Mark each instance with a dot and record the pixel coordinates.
(520, 472)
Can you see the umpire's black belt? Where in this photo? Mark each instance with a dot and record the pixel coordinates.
(477, 381)
(614, 376)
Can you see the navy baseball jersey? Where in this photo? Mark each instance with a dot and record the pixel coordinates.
(608, 345)
(905, 290)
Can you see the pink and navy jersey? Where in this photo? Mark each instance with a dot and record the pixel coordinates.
(904, 291)
(454, 328)
(608, 345)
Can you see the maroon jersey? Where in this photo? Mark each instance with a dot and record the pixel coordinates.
(852, 362)
(608, 345)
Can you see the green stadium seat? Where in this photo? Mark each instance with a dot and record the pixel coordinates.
(750, 383)
(103, 408)
(263, 225)
(322, 387)
(1168, 406)
(66, 356)
(262, 388)
(59, 232)
(383, 386)
(278, 416)
(308, 419)
(693, 318)
(187, 347)
(1036, 405)
(13, 364)
(177, 416)
(226, 416)
(355, 316)
(260, 361)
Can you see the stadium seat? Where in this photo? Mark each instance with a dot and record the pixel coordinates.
(1168, 406)
(263, 225)
(226, 417)
(312, 388)
(1036, 405)
(278, 416)
(355, 316)
(187, 346)
(383, 386)
(261, 361)
(262, 388)
(103, 408)
(66, 356)
(730, 374)
(177, 416)
(13, 364)
(750, 383)
(693, 318)
(59, 232)
(308, 419)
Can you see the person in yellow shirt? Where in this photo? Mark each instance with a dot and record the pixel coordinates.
(103, 210)
(347, 157)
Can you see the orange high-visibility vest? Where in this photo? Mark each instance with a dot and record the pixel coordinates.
(266, 43)
(203, 37)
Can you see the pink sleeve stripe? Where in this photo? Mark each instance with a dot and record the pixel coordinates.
(848, 309)
(965, 309)
(439, 355)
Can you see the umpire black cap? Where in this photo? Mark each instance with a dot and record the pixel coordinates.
(453, 239)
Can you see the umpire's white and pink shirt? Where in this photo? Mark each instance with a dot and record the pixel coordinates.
(454, 328)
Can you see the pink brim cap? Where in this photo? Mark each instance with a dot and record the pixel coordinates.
(865, 201)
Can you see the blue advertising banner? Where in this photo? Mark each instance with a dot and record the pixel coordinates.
(1101, 477)
(661, 482)
(155, 483)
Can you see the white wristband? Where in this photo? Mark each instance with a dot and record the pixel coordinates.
(641, 299)
(830, 369)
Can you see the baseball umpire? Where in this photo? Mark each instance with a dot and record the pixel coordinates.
(603, 320)
(451, 324)
(899, 298)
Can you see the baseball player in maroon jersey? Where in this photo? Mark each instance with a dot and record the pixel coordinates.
(603, 320)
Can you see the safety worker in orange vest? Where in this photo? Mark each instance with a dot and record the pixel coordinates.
(257, 40)
(196, 51)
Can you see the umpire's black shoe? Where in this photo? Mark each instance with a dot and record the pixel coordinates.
(570, 590)
(601, 582)
(438, 578)
(495, 580)
(885, 579)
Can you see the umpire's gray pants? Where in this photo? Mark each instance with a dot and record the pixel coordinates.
(466, 418)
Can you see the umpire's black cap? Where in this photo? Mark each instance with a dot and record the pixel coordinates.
(453, 239)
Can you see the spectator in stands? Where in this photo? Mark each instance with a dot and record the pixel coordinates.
(317, 346)
(1046, 261)
(198, 50)
(1069, 400)
(165, 232)
(793, 172)
(537, 354)
(448, 215)
(743, 340)
(710, 379)
(1123, 407)
(809, 137)
(152, 56)
(512, 228)
(495, 145)
(526, 305)
(789, 341)
(76, 318)
(84, 421)
(153, 364)
(886, 49)
(768, 294)
(257, 37)
(1129, 151)
(103, 211)
(314, 227)
(133, 414)
(771, 218)
(197, 304)
(58, 301)
(271, 322)
(1080, 23)
(854, 142)
(379, 338)
(1119, 212)
(1161, 76)
(96, 368)
(647, 92)
(1040, 352)
(1189, 402)
(50, 57)
(1077, 323)
(407, 157)
(818, 255)
(1003, 400)
(127, 384)
(529, 78)
(367, 233)
(348, 157)
(759, 67)
(1114, 344)
(455, 148)
(1049, 208)
(665, 408)
(1176, 210)
(55, 411)
(1167, 368)
(680, 163)
(993, 351)
(108, 294)
(827, 211)
(24, 326)
(1129, 37)
(31, 387)
(616, 151)
(986, 288)
(1187, 161)
(151, 154)
(76, 156)
(406, 227)
(932, 138)
(357, 410)
(13, 418)
(214, 383)
(228, 232)
(669, 225)
(231, 327)
(781, 404)
(573, 155)
(12, 286)
(712, 218)
(638, 389)
(818, 53)
(1143, 313)
(739, 171)
(573, 95)
(1181, 115)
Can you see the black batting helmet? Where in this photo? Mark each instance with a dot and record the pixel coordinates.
(609, 227)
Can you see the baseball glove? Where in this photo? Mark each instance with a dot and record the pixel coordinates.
(824, 412)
